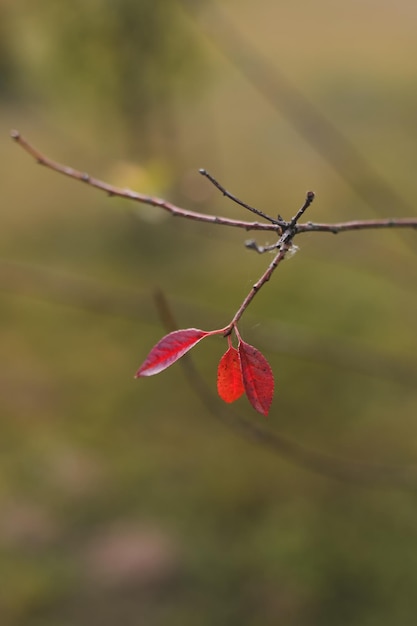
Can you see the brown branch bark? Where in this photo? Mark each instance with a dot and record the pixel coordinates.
(111, 190)
(286, 230)
(274, 225)
(342, 227)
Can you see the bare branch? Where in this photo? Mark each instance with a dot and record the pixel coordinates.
(278, 226)
(252, 245)
(284, 244)
(111, 190)
(259, 283)
(286, 230)
(235, 199)
(341, 227)
(309, 199)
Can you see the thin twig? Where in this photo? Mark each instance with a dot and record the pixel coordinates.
(257, 286)
(286, 230)
(235, 199)
(252, 245)
(309, 199)
(289, 233)
(280, 225)
(111, 190)
(340, 227)
(284, 244)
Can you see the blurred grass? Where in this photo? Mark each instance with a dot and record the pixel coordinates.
(242, 536)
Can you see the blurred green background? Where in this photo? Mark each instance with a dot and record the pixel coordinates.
(127, 501)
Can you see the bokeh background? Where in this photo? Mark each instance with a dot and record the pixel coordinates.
(129, 501)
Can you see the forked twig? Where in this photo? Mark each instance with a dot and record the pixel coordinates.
(176, 211)
(343, 227)
(284, 244)
(286, 230)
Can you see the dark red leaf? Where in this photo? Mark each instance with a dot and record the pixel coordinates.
(169, 349)
(258, 378)
(229, 376)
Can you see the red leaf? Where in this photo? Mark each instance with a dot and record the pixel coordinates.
(258, 378)
(169, 349)
(229, 376)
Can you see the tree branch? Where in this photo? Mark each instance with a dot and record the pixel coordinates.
(342, 227)
(277, 225)
(284, 244)
(287, 231)
(111, 190)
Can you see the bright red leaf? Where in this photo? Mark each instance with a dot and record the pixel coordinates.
(169, 349)
(258, 378)
(229, 376)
